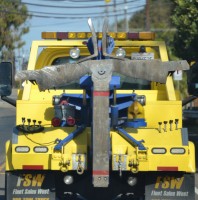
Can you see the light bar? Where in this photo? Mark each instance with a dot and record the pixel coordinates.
(112, 34)
(71, 35)
(49, 35)
(158, 150)
(81, 35)
(145, 36)
(40, 149)
(122, 35)
(22, 149)
(86, 35)
(177, 150)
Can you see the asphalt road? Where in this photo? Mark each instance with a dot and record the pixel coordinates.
(7, 122)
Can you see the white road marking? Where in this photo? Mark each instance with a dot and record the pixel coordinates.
(2, 166)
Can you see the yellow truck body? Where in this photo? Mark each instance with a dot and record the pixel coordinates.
(168, 157)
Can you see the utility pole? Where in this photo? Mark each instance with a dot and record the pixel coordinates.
(126, 17)
(147, 15)
(107, 8)
(116, 18)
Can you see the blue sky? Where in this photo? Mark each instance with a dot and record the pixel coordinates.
(73, 18)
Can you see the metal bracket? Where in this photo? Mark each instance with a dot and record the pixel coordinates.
(79, 163)
(120, 163)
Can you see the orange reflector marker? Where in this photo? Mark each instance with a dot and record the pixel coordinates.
(99, 35)
(146, 36)
(33, 167)
(89, 35)
(100, 173)
(122, 35)
(49, 35)
(81, 35)
(112, 34)
(101, 93)
(71, 35)
(161, 168)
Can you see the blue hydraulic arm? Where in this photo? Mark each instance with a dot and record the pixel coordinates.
(70, 137)
(130, 139)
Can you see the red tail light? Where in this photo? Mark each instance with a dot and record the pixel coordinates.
(71, 121)
(56, 122)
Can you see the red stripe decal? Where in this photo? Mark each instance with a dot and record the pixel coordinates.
(101, 93)
(167, 168)
(100, 173)
(33, 167)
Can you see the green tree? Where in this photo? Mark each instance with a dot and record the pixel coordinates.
(185, 19)
(13, 15)
(160, 12)
(159, 16)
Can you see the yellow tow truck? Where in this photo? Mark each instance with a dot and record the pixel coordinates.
(98, 117)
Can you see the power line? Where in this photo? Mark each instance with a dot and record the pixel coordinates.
(75, 0)
(70, 14)
(55, 24)
(61, 17)
(75, 7)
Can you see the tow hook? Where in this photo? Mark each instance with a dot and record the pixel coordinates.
(80, 169)
(64, 165)
(134, 166)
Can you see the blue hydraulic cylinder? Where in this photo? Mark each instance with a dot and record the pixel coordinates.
(131, 140)
(70, 137)
(114, 116)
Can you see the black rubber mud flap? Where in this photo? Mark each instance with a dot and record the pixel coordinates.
(30, 185)
(83, 189)
(170, 185)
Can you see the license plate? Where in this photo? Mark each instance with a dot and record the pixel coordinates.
(142, 56)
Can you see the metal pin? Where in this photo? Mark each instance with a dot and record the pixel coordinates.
(165, 123)
(120, 165)
(34, 121)
(160, 127)
(39, 122)
(171, 122)
(29, 121)
(23, 120)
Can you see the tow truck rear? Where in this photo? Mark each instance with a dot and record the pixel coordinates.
(103, 121)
